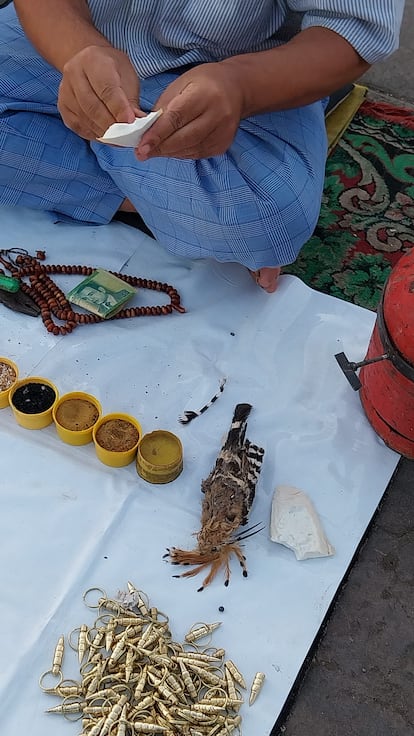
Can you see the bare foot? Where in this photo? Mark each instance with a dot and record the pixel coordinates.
(267, 278)
(127, 206)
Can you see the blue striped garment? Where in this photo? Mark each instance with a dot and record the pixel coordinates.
(257, 204)
(166, 34)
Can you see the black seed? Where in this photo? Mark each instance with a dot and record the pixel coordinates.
(221, 609)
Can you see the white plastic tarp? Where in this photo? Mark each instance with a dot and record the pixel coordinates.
(69, 523)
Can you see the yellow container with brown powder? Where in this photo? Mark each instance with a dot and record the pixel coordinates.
(116, 438)
(75, 415)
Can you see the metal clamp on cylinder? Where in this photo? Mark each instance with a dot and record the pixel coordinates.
(349, 367)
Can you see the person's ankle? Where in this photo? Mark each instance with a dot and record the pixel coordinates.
(127, 206)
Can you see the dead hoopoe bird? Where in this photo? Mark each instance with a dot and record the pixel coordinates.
(229, 492)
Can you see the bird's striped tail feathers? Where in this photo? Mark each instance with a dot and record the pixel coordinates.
(255, 456)
(237, 431)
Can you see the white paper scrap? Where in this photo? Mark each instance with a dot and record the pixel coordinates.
(295, 524)
(128, 135)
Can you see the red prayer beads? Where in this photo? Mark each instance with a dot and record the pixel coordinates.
(52, 301)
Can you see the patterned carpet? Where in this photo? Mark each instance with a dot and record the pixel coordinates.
(367, 216)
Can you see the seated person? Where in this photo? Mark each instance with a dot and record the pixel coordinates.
(234, 167)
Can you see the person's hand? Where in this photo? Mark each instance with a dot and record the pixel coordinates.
(202, 110)
(99, 87)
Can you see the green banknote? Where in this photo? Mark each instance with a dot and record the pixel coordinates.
(101, 293)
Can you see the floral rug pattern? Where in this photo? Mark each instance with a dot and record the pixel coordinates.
(367, 215)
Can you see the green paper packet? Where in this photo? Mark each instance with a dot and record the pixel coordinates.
(101, 293)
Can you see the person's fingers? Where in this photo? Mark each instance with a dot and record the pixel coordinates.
(108, 90)
(69, 111)
(190, 142)
(181, 111)
(200, 118)
(98, 88)
(92, 112)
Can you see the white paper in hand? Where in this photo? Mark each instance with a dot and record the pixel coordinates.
(128, 135)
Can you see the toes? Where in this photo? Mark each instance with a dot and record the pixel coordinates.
(267, 278)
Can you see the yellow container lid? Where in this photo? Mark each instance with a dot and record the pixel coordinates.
(28, 396)
(75, 415)
(7, 379)
(116, 437)
(160, 457)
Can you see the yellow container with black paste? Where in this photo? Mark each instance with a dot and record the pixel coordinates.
(32, 401)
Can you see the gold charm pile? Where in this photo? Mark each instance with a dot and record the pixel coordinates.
(136, 680)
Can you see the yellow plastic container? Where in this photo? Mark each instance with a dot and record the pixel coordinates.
(32, 420)
(160, 457)
(117, 435)
(4, 395)
(75, 415)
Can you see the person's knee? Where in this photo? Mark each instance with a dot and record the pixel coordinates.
(223, 212)
(281, 220)
(300, 215)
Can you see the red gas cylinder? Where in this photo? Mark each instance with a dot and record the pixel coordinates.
(387, 391)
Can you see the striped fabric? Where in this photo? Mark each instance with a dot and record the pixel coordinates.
(257, 204)
(166, 34)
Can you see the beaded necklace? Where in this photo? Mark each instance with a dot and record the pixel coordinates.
(53, 303)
